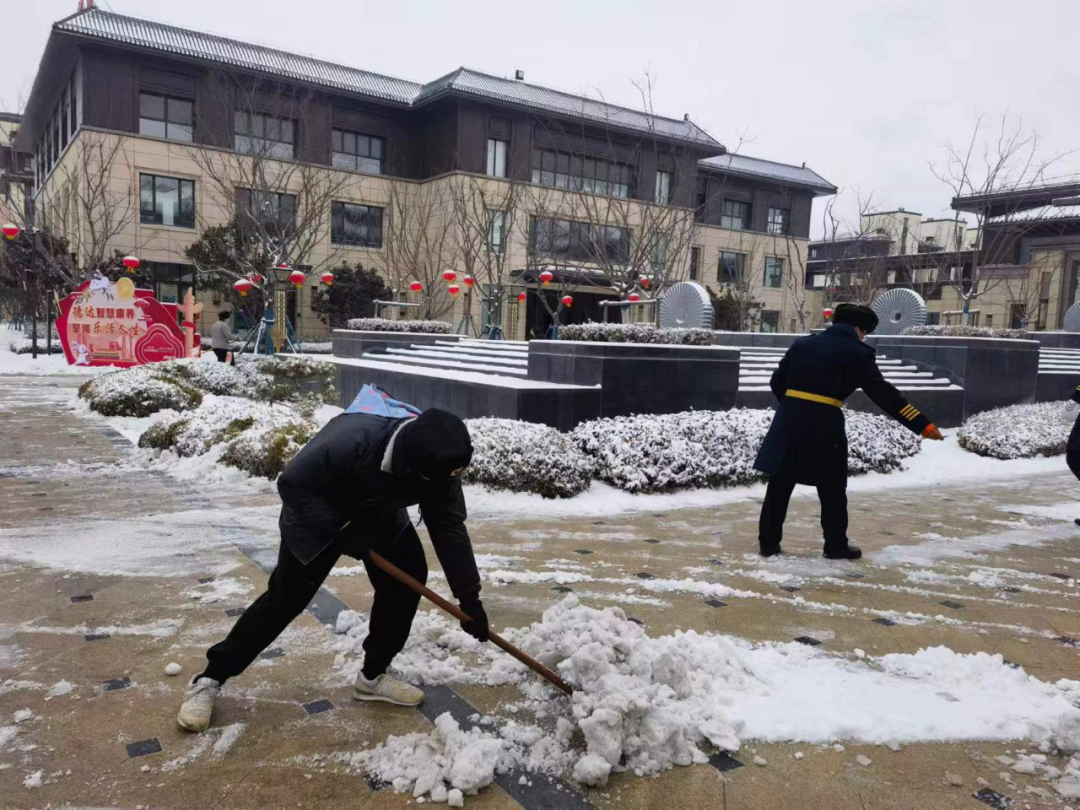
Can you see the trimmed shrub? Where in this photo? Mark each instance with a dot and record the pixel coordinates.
(967, 331)
(526, 457)
(26, 346)
(212, 377)
(264, 451)
(1019, 431)
(138, 392)
(217, 420)
(386, 325)
(293, 377)
(877, 443)
(634, 333)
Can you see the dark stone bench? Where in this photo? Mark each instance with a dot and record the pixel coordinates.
(353, 343)
(641, 378)
(470, 394)
(993, 372)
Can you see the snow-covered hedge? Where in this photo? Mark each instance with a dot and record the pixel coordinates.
(526, 457)
(138, 392)
(26, 346)
(386, 325)
(967, 331)
(1018, 431)
(658, 452)
(634, 333)
(291, 377)
(259, 438)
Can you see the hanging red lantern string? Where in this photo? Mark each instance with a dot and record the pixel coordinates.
(327, 278)
(296, 278)
(469, 281)
(10, 230)
(242, 286)
(454, 289)
(415, 286)
(448, 276)
(131, 263)
(568, 300)
(546, 276)
(521, 297)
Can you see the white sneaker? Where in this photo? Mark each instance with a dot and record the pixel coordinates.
(198, 705)
(388, 690)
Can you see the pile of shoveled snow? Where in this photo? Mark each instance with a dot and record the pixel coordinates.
(1019, 431)
(647, 704)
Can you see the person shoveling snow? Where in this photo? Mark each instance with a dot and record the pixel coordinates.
(346, 492)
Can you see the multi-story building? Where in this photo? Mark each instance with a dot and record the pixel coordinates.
(1018, 267)
(145, 136)
(16, 170)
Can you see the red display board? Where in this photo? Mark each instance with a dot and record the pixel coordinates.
(104, 323)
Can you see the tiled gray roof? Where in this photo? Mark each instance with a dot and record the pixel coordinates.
(782, 172)
(143, 33)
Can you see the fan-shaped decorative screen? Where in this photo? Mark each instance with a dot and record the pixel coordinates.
(1072, 318)
(686, 305)
(898, 309)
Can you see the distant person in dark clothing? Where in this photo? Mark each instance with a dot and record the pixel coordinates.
(1072, 447)
(221, 336)
(346, 492)
(806, 443)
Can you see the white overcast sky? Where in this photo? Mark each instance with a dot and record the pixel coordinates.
(866, 92)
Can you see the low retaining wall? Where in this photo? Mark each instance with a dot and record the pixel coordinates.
(353, 343)
(993, 372)
(764, 340)
(1058, 340)
(1054, 386)
(641, 378)
(471, 394)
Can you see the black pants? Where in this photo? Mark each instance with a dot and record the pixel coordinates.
(1072, 449)
(222, 355)
(834, 517)
(293, 585)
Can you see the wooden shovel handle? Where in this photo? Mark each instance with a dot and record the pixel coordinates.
(461, 616)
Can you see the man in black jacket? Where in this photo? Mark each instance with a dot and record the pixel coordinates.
(1072, 447)
(806, 443)
(346, 492)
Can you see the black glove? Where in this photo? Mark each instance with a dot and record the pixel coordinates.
(478, 627)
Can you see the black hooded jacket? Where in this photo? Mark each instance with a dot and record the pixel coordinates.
(336, 478)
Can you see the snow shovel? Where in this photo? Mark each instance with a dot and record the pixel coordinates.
(461, 616)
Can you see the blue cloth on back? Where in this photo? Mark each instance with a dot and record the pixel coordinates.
(376, 402)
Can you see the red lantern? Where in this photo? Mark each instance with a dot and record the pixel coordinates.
(131, 263)
(327, 278)
(454, 289)
(827, 312)
(255, 278)
(415, 286)
(568, 300)
(10, 231)
(633, 298)
(546, 276)
(469, 281)
(645, 282)
(242, 286)
(448, 275)
(284, 266)
(521, 297)
(297, 279)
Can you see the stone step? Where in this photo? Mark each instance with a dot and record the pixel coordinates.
(447, 364)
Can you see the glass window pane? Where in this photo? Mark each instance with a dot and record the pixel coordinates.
(151, 106)
(180, 112)
(344, 161)
(167, 199)
(549, 162)
(377, 148)
(287, 129)
(363, 145)
(180, 132)
(146, 198)
(562, 164)
(349, 143)
(336, 139)
(152, 127)
(240, 123)
(187, 203)
(369, 165)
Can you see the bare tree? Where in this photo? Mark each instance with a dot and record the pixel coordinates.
(1003, 159)
(856, 256)
(419, 244)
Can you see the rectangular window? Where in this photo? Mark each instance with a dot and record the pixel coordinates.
(166, 117)
(663, 188)
(273, 211)
(770, 321)
(365, 153)
(779, 221)
(496, 231)
(731, 267)
(264, 135)
(356, 225)
(579, 241)
(695, 262)
(774, 272)
(496, 158)
(736, 215)
(73, 92)
(578, 173)
(989, 319)
(166, 201)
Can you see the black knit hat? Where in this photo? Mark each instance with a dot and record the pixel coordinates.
(856, 315)
(435, 444)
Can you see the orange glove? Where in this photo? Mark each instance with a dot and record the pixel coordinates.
(931, 432)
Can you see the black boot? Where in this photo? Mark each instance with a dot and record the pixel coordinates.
(849, 552)
(770, 551)
(1077, 521)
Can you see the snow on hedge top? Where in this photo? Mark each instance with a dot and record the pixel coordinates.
(967, 331)
(634, 333)
(386, 325)
(526, 457)
(1019, 431)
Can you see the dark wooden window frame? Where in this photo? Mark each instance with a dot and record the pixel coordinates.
(580, 244)
(723, 271)
(571, 171)
(373, 222)
(728, 220)
(150, 216)
(165, 120)
(778, 221)
(255, 130)
(358, 156)
(779, 276)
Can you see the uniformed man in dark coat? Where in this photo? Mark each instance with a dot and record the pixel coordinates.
(346, 492)
(806, 443)
(1072, 448)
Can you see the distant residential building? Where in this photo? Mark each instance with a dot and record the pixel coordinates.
(16, 170)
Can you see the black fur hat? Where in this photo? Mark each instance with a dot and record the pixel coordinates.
(856, 315)
(435, 444)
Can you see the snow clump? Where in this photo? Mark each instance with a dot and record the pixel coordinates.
(1018, 431)
(386, 325)
(967, 331)
(526, 457)
(634, 333)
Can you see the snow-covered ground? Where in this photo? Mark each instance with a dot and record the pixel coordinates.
(11, 363)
